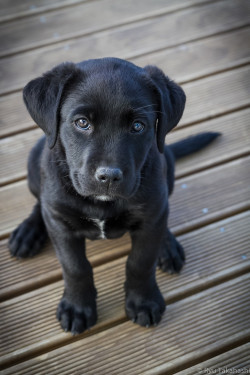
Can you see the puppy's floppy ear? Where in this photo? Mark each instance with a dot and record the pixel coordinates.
(171, 99)
(43, 96)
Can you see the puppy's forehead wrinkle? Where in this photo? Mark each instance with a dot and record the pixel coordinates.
(144, 106)
(104, 95)
(117, 84)
(145, 113)
(113, 96)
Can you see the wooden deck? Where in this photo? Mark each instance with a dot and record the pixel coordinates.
(204, 45)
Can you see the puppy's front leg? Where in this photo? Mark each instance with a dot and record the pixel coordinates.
(144, 302)
(77, 308)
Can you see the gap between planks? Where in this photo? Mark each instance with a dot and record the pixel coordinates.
(192, 192)
(224, 87)
(76, 3)
(36, 10)
(188, 335)
(184, 47)
(181, 51)
(233, 359)
(27, 279)
(202, 272)
(233, 143)
(114, 23)
(54, 57)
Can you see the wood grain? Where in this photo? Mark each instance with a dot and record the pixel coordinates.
(210, 195)
(205, 267)
(82, 19)
(234, 142)
(237, 359)
(196, 59)
(18, 276)
(185, 333)
(14, 152)
(12, 9)
(206, 98)
(216, 95)
(204, 45)
(120, 42)
(203, 203)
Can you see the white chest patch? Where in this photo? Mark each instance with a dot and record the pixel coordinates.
(100, 224)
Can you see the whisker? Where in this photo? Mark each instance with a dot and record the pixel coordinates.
(145, 106)
(147, 112)
(55, 161)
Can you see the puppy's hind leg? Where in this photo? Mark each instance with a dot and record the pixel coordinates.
(172, 256)
(30, 236)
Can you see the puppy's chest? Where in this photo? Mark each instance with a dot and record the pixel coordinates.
(101, 227)
(93, 228)
(97, 224)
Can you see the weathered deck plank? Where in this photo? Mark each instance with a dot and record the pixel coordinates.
(210, 195)
(234, 142)
(14, 152)
(196, 193)
(205, 267)
(177, 62)
(217, 95)
(199, 58)
(235, 361)
(185, 334)
(16, 36)
(208, 97)
(120, 42)
(11, 9)
(22, 275)
(214, 96)
(203, 45)
(18, 276)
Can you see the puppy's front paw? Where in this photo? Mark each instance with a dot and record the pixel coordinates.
(145, 311)
(76, 319)
(27, 239)
(172, 257)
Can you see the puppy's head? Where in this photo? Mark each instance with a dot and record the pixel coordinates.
(108, 114)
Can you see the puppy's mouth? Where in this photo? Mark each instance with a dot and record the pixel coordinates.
(109, 194)
(104, 198)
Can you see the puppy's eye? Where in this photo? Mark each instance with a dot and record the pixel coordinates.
(137, 127)
(82, 124)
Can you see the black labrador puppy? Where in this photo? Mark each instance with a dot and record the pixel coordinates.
(102, 170)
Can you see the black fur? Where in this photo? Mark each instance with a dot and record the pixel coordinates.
(103, 170)
(192, 144)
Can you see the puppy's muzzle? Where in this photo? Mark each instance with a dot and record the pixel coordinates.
(108, 176)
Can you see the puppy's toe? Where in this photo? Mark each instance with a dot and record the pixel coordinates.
(76, 319)
(150, 314)
(172, 257)
(145, 312)
(27, 240)
(143, 318)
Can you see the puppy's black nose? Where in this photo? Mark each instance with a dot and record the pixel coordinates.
(107, 175)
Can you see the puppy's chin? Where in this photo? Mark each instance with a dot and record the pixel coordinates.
(109, 196)
(90, 193)
(104, 198)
